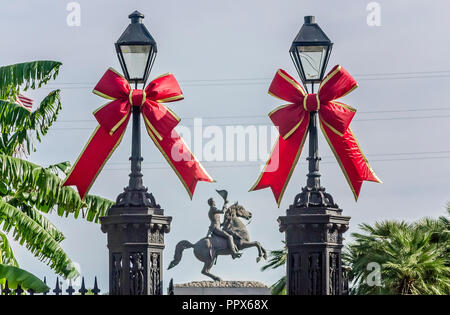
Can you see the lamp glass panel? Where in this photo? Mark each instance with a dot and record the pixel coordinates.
(135, 58)
(312, 59)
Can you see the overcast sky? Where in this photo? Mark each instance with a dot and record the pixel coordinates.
(402, 122)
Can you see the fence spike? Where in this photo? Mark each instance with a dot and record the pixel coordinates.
(70, 289)
(6, 290)
(57, 289)
(19, 290)
(83, 287)
(95, 290)
(45, 281)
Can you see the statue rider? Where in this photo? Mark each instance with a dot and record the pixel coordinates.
(215, 227)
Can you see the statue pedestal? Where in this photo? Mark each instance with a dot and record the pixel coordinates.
(221, 288)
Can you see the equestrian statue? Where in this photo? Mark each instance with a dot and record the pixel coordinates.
(225, 238)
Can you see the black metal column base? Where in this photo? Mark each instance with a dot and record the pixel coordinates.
(314, 238)
(314, 197)
(136, 198)
(136, 244)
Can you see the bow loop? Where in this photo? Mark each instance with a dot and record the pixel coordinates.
(164, 89)
(285, 87)
(336, 84)
(112, 86)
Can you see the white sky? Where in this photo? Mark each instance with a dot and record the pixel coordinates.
(246, 39)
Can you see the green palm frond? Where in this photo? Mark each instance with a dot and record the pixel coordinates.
(43, 222)
(20, 127)
(26, 280)
(411, 262)
(6, 252)
(37, 240)
(43, 190)
(26, 75)
(279, 287)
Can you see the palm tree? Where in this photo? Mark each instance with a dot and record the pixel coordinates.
(29, 191)
(277, 259)
(411, 257)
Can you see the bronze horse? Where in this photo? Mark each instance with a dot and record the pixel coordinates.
(208, 248)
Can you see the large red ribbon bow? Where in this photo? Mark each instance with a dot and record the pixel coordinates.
(159, 120)
(292, 121)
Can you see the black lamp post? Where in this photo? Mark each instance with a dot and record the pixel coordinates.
(313, 224)
(136, 225)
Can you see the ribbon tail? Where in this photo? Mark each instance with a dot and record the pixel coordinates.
(350, 157)
(95, 154)
(282, 161)
(183, 162)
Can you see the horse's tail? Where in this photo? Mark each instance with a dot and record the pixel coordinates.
(182, 245)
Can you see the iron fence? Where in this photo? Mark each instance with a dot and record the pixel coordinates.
(58, 290)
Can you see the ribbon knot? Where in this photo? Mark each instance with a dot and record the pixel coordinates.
(137, 97)
(292, 121)
(311, 102)
(159, 121)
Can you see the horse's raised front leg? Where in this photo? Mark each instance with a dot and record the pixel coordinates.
(207, 267)
(261, 250)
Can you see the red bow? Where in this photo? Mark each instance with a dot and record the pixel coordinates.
(292, 121)
(159, 120)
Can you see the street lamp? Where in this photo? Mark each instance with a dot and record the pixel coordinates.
(310, 51)
(314, 223)
(136, 225)
(136, 50)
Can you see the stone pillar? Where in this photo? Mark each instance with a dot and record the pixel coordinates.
(135, 243)
(314, 243)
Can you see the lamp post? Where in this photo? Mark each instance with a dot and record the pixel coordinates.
(313, 223)
(136, 224)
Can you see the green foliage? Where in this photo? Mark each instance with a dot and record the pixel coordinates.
(26, 75)
(413, 257)
(41, 189)
(277, 259)
(29, 191)
(26, 280)
(6, 252)
(37, 240)
(20, 127)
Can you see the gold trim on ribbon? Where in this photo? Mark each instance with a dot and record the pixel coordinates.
(328, 77)
(170, 99)
(294, 164)
(351, 90)
(271, 94)
(79, 156)
(292, 82)
(365, 159)
(339, 161)
(344, 105)
(104, 162)
(277, 109)
(287, 135)
(152, 128)
(331, 127)
(103, 95)
(117, 126)
(265, 166)
(304, 102)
